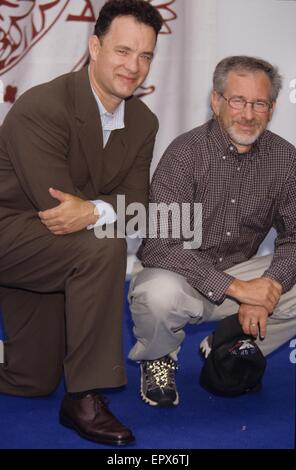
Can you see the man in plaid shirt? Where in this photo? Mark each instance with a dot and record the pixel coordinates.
(245, 178)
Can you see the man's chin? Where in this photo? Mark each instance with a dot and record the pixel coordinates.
(125, 92)
(124, 95)
(240, 139)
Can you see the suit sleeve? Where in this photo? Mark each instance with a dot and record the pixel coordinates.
(37, 142)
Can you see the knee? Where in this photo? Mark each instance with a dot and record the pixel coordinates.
(158, 299)
(34, 385)
(46, 384)
(44, 389)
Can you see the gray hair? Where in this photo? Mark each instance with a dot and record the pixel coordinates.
(242, 63)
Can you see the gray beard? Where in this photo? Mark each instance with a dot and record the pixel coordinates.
(243, 139)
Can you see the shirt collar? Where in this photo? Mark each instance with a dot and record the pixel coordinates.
(111, 121)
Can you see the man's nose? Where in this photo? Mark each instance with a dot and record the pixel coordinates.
(248, 111)
(132, 64)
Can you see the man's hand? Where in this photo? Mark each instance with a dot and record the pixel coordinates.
(71, 215)
(263, 291)
(253, 320)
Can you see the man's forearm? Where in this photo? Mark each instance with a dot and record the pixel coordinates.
(264, 292)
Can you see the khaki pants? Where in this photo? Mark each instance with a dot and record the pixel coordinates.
(162, 303)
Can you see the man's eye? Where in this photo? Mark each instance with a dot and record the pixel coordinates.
(260, 104)
(148, 58)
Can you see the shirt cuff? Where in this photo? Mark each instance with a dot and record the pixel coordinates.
(286, 285)
(216, 285)
(105, 212)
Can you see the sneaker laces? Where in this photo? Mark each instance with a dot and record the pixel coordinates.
(162, 372)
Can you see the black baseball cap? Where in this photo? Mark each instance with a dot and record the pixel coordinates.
(235, 364)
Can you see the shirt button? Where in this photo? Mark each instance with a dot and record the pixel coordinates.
(232, 201)
(228, 234)
(238, 168)
(223, 158)
(210, 294)
(220, 259)
(231, 148)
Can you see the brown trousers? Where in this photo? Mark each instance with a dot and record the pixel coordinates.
(62, 300)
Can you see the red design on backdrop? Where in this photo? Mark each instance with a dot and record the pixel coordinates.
(87, 14)
(23, 24)
(145, 91)
(166, 12)
(10, 94)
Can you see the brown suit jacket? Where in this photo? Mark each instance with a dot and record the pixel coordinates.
(52, 137)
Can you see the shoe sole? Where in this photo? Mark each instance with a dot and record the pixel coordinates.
(164, 403)
(68, 423)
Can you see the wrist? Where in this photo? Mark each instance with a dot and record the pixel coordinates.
(92, 213)
(233, 288)
(276, 283)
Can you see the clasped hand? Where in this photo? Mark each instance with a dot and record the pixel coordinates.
(71, 215)
(258, 298)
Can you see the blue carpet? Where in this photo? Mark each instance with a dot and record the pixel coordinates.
(265, 420)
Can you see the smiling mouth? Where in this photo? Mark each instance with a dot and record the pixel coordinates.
(248, 127)
(127, 79)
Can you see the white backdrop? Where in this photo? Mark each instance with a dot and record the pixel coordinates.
(42, 39)
(207, 31)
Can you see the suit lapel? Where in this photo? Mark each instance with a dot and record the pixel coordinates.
(89, 127)
(118, 156)
(104, 164)
(114, 157)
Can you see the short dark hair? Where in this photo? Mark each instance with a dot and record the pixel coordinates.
(242, 63)
(141, 10)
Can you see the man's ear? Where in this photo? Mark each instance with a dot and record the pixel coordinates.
(215, 102)
(93, 46)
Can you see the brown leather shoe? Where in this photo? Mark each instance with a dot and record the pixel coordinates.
(90, 418)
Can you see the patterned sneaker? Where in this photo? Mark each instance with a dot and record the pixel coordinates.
(158, 386)
(205, 346)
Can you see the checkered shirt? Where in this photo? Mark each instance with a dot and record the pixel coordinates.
(242, 196)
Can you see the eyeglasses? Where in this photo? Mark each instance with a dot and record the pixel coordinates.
(239, 103)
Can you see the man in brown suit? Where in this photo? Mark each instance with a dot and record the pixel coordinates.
(67, 149)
